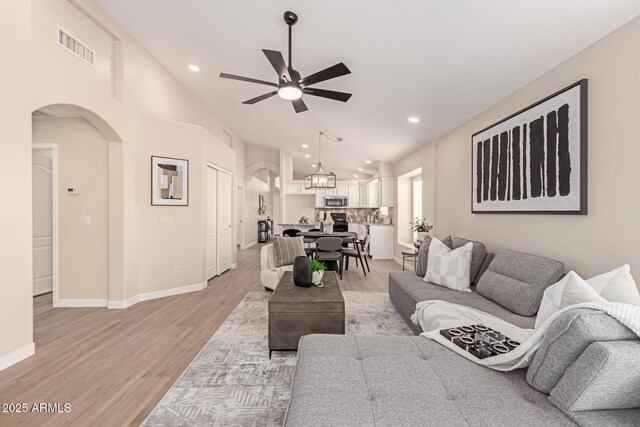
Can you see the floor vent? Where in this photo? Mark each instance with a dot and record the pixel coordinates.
(76, 47)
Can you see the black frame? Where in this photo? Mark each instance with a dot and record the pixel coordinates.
(187, 174)
(583, 83)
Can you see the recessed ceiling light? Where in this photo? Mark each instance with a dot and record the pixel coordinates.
(368, 162)
(307, 156)
(305, 146)
(360, 169)
(414, 120)
(355, 176)
(194, 68)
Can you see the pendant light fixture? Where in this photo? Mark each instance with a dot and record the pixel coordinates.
(321, 180)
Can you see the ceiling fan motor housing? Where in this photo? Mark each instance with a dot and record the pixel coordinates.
(290, 18)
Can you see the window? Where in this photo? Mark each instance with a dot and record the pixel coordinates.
(416, 199)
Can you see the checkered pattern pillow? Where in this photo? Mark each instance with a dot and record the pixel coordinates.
(449, 268)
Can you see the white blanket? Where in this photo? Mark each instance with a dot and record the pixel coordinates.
(435, 315)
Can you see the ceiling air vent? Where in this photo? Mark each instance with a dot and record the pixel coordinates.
(76, 47)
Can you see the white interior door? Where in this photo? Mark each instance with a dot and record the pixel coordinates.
(240, 207)
(42, 170)
(225, 216)
(212, 227)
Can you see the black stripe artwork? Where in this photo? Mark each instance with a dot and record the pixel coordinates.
(530, 160)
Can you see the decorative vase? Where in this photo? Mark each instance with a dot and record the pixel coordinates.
(302, 271)
(328, 225)
(421, 236)
(317, 277)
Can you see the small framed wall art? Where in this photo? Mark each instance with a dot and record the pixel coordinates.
(534, 161)
(169, 181)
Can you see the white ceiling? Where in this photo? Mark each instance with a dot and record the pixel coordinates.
(441, 61)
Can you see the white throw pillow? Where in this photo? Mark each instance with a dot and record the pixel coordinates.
(617, 286)
(570, 290)
(449, 268)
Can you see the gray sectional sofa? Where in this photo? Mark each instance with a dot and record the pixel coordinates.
(413, 381)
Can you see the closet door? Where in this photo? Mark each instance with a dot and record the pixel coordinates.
(225, 216)
(212, 227)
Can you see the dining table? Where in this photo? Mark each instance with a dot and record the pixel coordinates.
(318, 234)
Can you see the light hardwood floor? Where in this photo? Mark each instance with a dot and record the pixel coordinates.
(113, 366)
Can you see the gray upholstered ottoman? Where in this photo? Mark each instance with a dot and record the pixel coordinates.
(295, 311)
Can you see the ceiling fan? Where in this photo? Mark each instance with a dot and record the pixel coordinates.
(290, 85)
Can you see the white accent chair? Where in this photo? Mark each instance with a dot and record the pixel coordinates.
(270, 274)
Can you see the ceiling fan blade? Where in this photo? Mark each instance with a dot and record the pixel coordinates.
(326, 74)
(260, 98)
(277, 62)
(247, 79)
(299, 105)
(331, 94)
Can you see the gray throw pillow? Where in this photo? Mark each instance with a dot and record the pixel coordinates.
(516, 280)
(477, 255)
(423, 254)
(604, 377)
(286, 249)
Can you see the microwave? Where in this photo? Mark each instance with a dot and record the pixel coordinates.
(335, 202)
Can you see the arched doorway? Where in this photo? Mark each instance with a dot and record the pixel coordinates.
(82, 199)
(262, 198)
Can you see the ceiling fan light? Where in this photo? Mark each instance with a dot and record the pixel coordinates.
(290, 92)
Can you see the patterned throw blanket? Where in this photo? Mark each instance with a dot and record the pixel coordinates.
(432, 316)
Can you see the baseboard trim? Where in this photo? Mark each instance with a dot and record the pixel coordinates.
(65, 303)
(17, 356)
(119, 304)
(234, 266)
(408, 265)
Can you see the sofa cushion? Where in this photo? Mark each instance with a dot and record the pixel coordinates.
(447, 267)
(477, 257)
(402, 381)
(517, 280)
(566, 339)
(601, 379)
(286, 249)
(423, 254)
(406, 290)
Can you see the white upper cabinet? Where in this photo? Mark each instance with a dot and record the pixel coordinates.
(386, 191)
(353, 199)
(374, 193)
(342, 190)
(363, 196)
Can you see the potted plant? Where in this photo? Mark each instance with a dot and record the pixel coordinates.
(318, 269)
(421, 227)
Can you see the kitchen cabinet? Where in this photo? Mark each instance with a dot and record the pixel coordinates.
(341, 190)
(354, 228)
(374, 193)
(381, 241)
(363, 189)
(387, 191)
(352, 196)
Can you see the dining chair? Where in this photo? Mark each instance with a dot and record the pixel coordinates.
(330, 249)
(353, 253)
(310, 250)
(290, 232)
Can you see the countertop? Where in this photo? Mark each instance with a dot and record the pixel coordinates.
(372, 224)
(299, 225)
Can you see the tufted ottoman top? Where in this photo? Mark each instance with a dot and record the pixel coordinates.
(407, 381)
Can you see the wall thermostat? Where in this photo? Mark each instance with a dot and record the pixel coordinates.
(73, 190)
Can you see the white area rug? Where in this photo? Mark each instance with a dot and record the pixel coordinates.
(232, 382)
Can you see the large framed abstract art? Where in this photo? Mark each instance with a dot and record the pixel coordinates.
(169, 181)
(534, 161)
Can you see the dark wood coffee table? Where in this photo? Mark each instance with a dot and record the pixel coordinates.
(295, 311)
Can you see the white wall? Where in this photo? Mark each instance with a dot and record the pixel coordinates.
(610, 234)
(136, 97)
(83, 163)
(298, 205)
